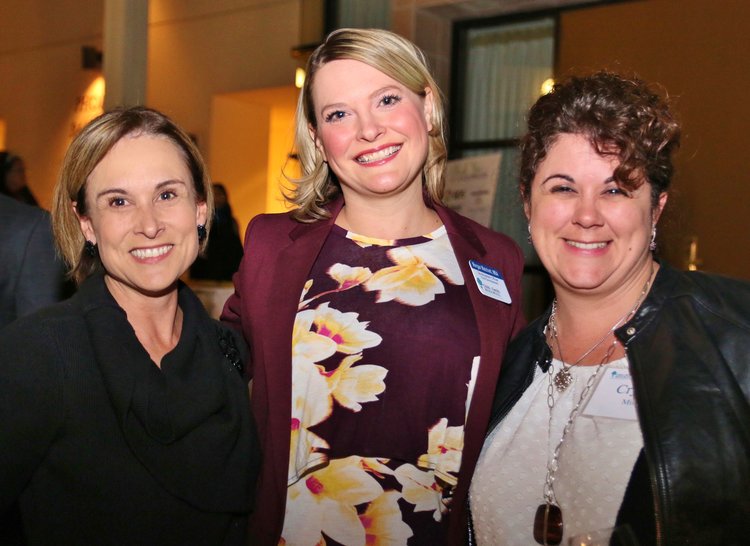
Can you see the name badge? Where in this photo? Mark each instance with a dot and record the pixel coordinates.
(613, 396)
(489, 281)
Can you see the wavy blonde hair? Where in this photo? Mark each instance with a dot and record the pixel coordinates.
(88, 148)
(397, 58)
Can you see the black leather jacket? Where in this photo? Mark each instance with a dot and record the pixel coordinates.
(688, 348)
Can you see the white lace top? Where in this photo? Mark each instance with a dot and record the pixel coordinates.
(595, 462)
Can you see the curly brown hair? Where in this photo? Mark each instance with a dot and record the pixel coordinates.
(620, 116)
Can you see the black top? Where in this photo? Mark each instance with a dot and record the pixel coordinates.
(100, 446)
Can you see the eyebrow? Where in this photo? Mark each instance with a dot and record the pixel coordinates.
(390, 87)
(159, 186)
(569, 178)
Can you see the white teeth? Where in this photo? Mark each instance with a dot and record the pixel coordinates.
(587, 246)
(380, 154)
(144, 253)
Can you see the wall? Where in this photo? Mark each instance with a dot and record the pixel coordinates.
(42, 80)
(200, 48)
(197, 48)
(699, 51)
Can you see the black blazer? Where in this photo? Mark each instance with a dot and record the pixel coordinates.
(31, 276)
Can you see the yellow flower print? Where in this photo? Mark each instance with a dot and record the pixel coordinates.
(364, 241)
(376, 466)
(350, 335)
(348, 276)
(311, 404)
(350, 386)
(306, 289)
(382, 522)
(420, 489)
(325, 502)
(308, 344)
(410, 281)
(445, 446)
(438, 255)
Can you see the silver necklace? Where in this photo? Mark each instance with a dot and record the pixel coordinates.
(548, 520)
(563, 379)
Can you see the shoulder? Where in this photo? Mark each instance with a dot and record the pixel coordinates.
(485, 234)
(21, 216)
(44, 320)
(712, 295)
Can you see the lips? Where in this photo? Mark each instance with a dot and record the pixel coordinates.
(379, 155)
(147, 253)
(586, 246)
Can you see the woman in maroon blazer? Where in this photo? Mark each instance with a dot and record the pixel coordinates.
(377, 317)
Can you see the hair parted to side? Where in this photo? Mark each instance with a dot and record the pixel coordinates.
(87, 150)
(622, 117)
(395, 57)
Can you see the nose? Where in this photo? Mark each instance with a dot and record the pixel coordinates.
(587, 213)
(370, 127)
(148, 222)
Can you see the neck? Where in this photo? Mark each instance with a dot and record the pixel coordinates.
(156, 320)
(583, 321)
(392, 217)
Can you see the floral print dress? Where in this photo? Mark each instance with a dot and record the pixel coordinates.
(384, 354)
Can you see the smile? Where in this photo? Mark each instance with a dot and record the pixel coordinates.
(146, 253)
(378, 156)
(586, 246)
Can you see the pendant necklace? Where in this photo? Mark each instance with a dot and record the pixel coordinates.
(548, 520)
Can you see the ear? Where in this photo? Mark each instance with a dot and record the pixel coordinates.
(201, 213)
(526, 206)
(429, 105)
(87, 228)
(318, 144)
(660, 206)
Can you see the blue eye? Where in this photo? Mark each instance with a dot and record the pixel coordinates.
(117, 202)
(390, 100)
(334, 116)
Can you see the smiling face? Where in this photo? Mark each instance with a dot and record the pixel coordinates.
(371, 129)
(142, 214)
(590, 234)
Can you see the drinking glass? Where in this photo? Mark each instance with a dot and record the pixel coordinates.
(612, 536)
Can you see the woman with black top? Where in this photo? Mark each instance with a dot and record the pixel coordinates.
(124, 415)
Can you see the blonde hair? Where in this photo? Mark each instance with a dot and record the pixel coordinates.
(397, 58)
(87, 150)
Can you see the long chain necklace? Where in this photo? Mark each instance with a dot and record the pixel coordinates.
(548, 520)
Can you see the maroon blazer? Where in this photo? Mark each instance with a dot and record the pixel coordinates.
(279, 253)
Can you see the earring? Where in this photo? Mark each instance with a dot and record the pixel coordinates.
(202, 233)
(652, 244)
(528, 238)
(90, 249)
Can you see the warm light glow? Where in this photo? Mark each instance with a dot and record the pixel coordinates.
(88, 106)
(2, 134)
(547, 86)
(299, 78)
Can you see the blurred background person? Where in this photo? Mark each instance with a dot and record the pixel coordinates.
(13, 179)
(31, 274)
(224, 249)
(626, 405)
(124, 416)
(377, 317)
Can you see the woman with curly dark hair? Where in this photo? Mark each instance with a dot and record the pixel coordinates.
(623, 410)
